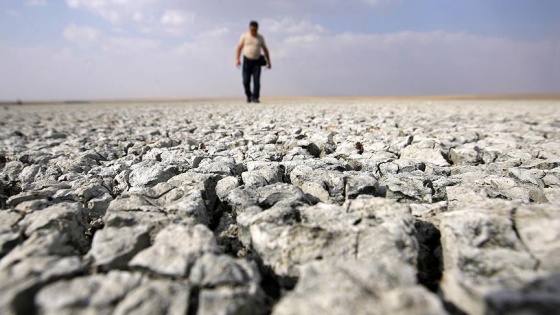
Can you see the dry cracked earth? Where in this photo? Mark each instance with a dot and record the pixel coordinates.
(334, 207)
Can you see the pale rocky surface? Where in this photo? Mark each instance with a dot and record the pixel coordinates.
(443, 207)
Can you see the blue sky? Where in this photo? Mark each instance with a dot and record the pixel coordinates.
(82, 49)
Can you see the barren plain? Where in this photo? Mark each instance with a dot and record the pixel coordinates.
(288, 207)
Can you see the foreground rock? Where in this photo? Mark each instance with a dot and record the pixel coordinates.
(365, 228)
(495, 261)
(359, 287)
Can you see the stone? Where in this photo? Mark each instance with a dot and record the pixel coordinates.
(469, 154)
(155, 220)
(31, 195)
(286, 238)
(19, 282)
(40, 244)
(175, 202)
(383, 286)
(10, 234)
(9, 220)
(220, 165)
(225, 186)
(175, 250)
(99, 205)
(538, 227)
(527, 176)
(411, 187)
(327, 186)
(66, 218)
(461, 196)
(358, 184)
(228, 286)
(280, 194)
(113, 247)
(425, 155)
(506, 188)
(540, 296)
(482, 254)
(88, 294)
(13, 170)
(261, 177)
(552, 194)
(213, 270)
(29, 173)
(150, 175)
(229, 301)
(159, 296)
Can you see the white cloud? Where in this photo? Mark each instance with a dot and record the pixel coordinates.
(88, 37)
(111, 10)
(137, 16)
(73, 3)
(414, 63)
(36, 3)
(125, 45)
(176, 18)
(291, 26)
(81, 35)
(174, 23)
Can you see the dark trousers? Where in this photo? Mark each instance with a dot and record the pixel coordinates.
(252, 68)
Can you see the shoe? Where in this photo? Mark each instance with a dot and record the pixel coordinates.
(256, 101)
(248, 100)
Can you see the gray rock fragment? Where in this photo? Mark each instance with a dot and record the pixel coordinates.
(326, 186)
(228, 286)
(113, 247)
(19, 281)
(425, 155)
(156, 297)
(150, 175)
(175, 249)
(359, 287)
(483, 254)
(467, 154)
(89, 294)
(410, 187)
(225, 186)
(538, 227)
(360, 185)
(261, 177)
(286, 238)
(65, 218)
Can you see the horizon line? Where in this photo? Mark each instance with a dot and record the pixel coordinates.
(499, 96)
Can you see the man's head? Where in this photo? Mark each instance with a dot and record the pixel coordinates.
(253, 27)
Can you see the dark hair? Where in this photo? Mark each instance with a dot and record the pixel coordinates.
(254, 24)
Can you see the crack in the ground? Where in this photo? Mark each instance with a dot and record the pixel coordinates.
(513, 221)
(430, 261)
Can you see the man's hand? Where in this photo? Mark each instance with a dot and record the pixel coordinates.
(237, 63)
(267, 55)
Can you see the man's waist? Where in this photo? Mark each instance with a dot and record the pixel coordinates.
(252, 57)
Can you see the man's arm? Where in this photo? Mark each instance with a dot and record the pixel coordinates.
(238, 54)
(267, 55)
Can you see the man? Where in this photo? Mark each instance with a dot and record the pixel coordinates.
(251, 43)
